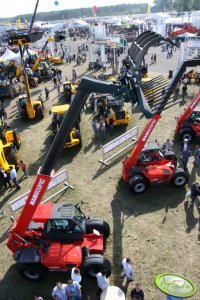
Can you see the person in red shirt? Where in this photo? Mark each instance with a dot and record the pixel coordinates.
(23, 168)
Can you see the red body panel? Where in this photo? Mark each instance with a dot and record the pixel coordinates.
(132, 160)
(187, 112)
(43, 212)
(186, 28)
(156, 173)
(61, 254)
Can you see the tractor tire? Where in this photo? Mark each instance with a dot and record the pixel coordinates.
(12, 157)
(93, 264)
(187, 133)
(39, 113)
(17, 140)
(100, 225)
(171, 156)
(180, 178)
(34, 272)
(11, 74)
(24, 116)
(138, 184)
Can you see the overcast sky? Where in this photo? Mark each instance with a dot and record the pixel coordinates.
(16, 7)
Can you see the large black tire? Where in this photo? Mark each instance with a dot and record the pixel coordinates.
(180, 178)
(171, 156)
(24, 116)
(34, 272)
(138, 184)
(12, 157)
(17, 139)
(187, 133)
(95, 263)
(39, 113)
(100, 225)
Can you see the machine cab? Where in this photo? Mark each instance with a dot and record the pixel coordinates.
(194, 120)
(151, 154)
(68, 224)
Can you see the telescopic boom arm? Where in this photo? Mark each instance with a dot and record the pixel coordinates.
(85, 87)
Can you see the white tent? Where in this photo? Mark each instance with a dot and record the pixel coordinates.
(9, 55)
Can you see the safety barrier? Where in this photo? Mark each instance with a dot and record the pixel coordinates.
(131, 134)
(62, 176)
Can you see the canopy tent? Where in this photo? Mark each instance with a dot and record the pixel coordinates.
(79, 24)
(9, 55)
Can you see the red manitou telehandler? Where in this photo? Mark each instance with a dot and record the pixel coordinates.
(188, 123)
(59, 237)
(148, 164)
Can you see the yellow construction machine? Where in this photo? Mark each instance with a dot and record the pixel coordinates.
(58, 113)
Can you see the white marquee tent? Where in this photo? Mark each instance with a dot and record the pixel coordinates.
(9, 55)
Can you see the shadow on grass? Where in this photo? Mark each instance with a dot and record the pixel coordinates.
(125, 204)
(14, 287)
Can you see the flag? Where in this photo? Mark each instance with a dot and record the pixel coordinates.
(148, 9)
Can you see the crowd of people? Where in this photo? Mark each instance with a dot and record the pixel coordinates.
(72, 289)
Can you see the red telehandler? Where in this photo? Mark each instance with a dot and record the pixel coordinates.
(188, 123)
(147, 163)
(59, 237)
(186, 28)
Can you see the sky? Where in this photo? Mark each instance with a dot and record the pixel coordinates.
(12, 8)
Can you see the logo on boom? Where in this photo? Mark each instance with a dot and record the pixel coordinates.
(37, 191)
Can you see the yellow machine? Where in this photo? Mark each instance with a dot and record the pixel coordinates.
(9, 136)
(8, 156)
(28, 109)
(116, 110)
(58, 113)
(69, 89)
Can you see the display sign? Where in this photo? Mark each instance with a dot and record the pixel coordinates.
(175, 285)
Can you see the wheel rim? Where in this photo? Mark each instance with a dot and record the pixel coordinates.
(187, 136)
(31, 274)
(139, 188)
(179, 181)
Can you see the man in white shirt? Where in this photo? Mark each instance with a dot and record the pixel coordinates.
(60, 291)
(76, 275)
(128, 269)
(13, 177)
(102, 281)
(167, 146)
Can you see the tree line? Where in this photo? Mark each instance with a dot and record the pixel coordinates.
(113, 10)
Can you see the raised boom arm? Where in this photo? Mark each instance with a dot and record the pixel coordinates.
(86, 86)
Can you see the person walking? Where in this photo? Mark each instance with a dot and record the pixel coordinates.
(23, 167)
(46, 92)
(111, 126)
(13, 177)
(154, 58)
(76, 275)
(73, 290)
(102, 281)
(60, 291)
(74, 75)
(2, 178)
(103, 131)
(128, 269)
(7, 178)
(194, 192)
(55, 82)
(167, 146)
(137, 293)
(184, 92)
(185, 158)
(95, 128)
(196, 156)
